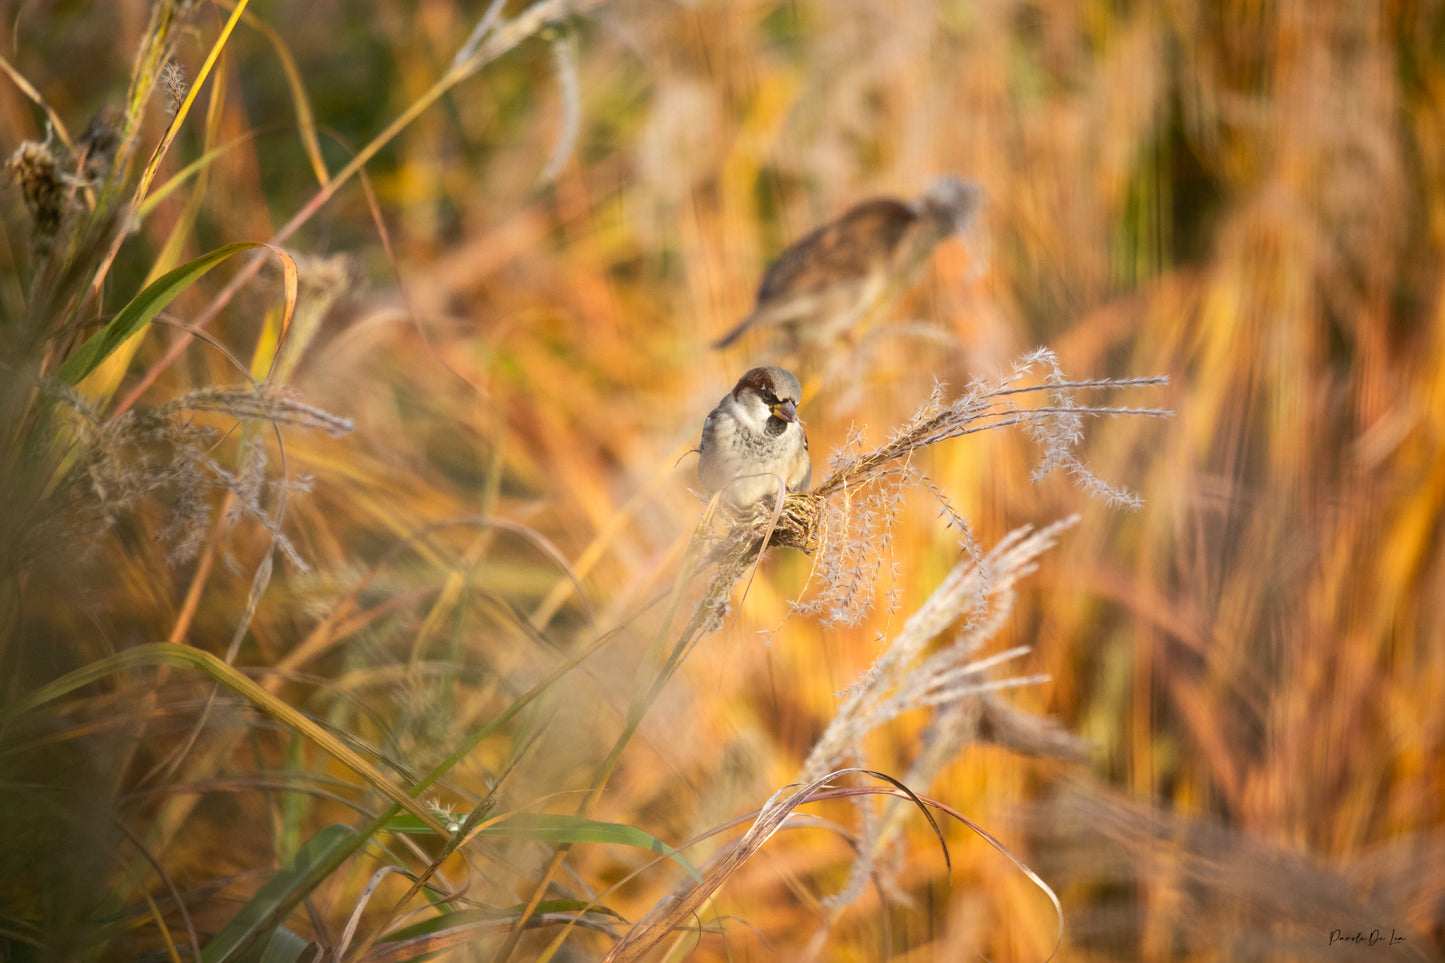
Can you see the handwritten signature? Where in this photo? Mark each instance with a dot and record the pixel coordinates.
(1372, 938)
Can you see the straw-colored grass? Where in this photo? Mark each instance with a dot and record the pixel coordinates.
(354, 603)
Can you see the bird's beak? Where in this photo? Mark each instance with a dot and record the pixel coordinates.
(785, 410)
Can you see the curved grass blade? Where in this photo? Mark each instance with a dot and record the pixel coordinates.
(264, 913)
(142, 308)
(470, 917)
(305, 116)
(456, 929)
(559, 829)
(183, 656)
(649, 931)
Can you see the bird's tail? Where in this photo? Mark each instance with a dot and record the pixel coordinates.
(735, 333)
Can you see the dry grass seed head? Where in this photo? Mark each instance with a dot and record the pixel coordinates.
(38, 171)
(162, 454)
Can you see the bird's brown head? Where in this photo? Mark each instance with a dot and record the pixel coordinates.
(778, 388)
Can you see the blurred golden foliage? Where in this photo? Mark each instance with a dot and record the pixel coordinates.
(505, 240)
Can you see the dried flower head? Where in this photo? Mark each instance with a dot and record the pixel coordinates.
(39, 172)
(163, 455)
(173, 81)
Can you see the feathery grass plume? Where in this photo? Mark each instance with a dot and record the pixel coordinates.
(950, 680)
(901, 678)
(857, 532)
(162, 454)
(173, 79)
(279, 406)
(1058, 426)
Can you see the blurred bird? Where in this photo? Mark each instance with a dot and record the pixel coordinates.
(753, 438)
(834, 277)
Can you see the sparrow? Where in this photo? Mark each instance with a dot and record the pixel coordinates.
(753, 438)
(834, 277)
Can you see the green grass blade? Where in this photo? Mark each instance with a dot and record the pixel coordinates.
(284, 947)
(142, 308)
(167, 653)
(560, 828)
(469, 917)
(273, 902)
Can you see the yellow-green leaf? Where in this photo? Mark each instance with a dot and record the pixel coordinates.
(142, 308)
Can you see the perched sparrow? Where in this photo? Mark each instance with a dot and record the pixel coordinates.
(753, 437)
(832, 278)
